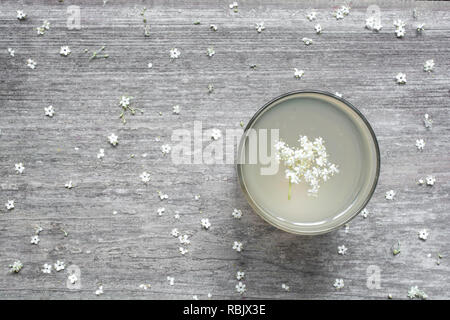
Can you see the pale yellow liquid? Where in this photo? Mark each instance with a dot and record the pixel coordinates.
(349, 144)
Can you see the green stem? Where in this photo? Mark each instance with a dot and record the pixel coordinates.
(290, 189)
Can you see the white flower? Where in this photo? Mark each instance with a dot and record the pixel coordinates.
(341, 12)
(373, 23)
(145, 177)
(9, 205)
(390, 195)
(31, 63)
(21, 15)
(64, 51)
(176, 109)
(35, 240)
(144, 286)
(161, 211)
(420, 144)
(175, 233)
(237, 246)
(420, 181)
(420, 27)
(165, 148)
(99, 291)
(260, 27)
(174, 53)
(400, 32)
(237, 214)
(69, 185)
(285, 286)
(171, 280)
(101, 153)
(423, 234)
(177, 216)
(150, 65)
(184, 239)
(47, 268)
(11, 52)
(338, 94)
(16, 266)
(124, 101)
(427, 121)
(240, 288)
(162, 196)
(45, 26)
(205, 223)
(59, 265)
(311, 15)
(365, 213)
(338, 283)
(415, 292)
(183, 251)
(113, 139)
(213, 27)
(19, 167)
(216, 134)
(195, 297)
(210, 52)
(342, 250)
(399, 23)
(197, 197)
(401, 78)
(298, 73)
(307, 41)
(49, 111)
(240, 275)
(318, 28)
(73, 278)
(430, 180)
(38, 230)
(233, 5)
(428, 65)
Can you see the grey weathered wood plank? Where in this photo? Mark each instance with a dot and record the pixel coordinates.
(134, 246)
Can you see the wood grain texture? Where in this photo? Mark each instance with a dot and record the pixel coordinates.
(135, 246)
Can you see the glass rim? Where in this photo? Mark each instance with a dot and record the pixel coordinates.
(254, 205)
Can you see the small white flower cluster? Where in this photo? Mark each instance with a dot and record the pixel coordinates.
(144, 286)
(59, 265)
(161, 211)
(400, 30)
(420, 144)
(11, 52)
(210, 52)
(9, 205)
(165, 149)
(31, 64)
(240, 287)
(260, 27)
(401, 78)
(234, 6)
(35, 239)
(298, 73)
(341, 12)
(285, 287)
(420, 27)
(390, 195)
(237, 245)
(307, 41)
(113, 139)
(99, 291)
(162, 196)
(374, 23)
(311, 15)
(176, 109)
(427, 121)
(423, 234)
(42, 29)
(237, 214)
(101, 153)
(64, 51)
(72, 278)
(318, 28)
(428, 65)
(365, 213)
(342, 250)
(415, 292)
(430, 180)
(338, 283)
(309, 162)
(49, 111)
(19, 167)
(205, 223)
(174, 53)
(16, 266)
(145, 177)
(171, 280)
(21, 15)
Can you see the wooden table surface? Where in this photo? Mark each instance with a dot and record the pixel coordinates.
(115, 237)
